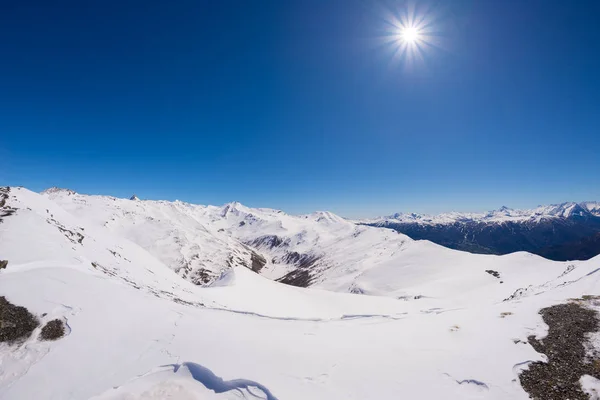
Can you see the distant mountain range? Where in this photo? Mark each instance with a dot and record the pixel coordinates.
(561, 232)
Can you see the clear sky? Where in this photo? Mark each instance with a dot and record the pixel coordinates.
(300, 105)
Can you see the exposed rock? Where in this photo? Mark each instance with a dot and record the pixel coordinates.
(4, 195)
(269, 242)
(202, 277)
(55, 189)
(258, 261)
(565, 347)
(16, 322)
(53, 330)
(299, 277)
(3, 264)
(495, 274)
(5, 209)
(303, 275)
(74, 237)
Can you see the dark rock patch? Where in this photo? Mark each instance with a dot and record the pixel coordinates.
(268, 242)
(5, 209)
(7, 212)
(299, 277)
(187, 303)
(302, 260)
(53, 330)
(516, 294)
(356, 290)
(3, 264)
(258, 261)
(303, 275)
(3, 195)
(16, 322)
(495, 274)
(565, 346)
(74, 237)
(202, 277)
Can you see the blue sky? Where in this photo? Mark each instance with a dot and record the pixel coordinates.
(297, 105)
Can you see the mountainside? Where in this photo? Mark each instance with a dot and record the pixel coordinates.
(321, 250)
(567, 231)
(176, 233)
(449, 324)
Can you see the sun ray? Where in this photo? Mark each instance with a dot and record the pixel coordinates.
(409, 33)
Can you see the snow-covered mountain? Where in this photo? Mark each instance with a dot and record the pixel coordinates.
(321, 250)
(559, 232)
(177, 233)
(121, 274)
(501, 215)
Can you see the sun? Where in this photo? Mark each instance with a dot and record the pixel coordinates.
(410, 34)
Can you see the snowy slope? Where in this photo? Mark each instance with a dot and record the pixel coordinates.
(138, 330)
(197, 240)
(171, 231)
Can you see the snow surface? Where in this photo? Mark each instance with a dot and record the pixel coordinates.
(137, 330)
(591, 386)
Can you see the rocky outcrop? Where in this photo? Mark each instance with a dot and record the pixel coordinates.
(53, 330)
(304, 273)
(565, 346)
(258, 262)
(5, 209)
(16, 322)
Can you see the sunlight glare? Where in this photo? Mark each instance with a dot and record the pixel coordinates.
(410, 34)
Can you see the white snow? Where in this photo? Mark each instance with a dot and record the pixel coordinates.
(137, 330)
(592, 206)
(591, 386)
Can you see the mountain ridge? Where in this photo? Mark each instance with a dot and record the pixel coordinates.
(565, 209)
(560, 232)
(503, 214)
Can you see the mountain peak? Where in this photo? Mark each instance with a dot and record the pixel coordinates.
(592, 206)
(566, 210)
(234, 207)
(54, 190)
(326, 216)
(134, 197)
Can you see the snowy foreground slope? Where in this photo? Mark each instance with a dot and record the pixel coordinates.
(444, 327)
